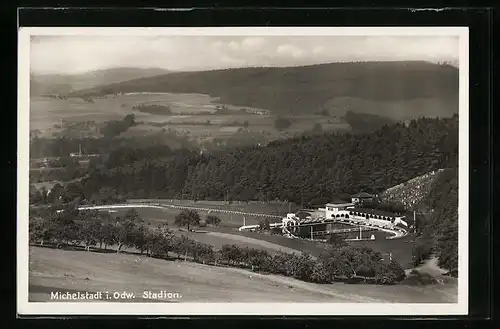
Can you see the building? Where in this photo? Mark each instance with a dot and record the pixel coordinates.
(362, 197)
(324, 219)
(337, 209)
(375, 217)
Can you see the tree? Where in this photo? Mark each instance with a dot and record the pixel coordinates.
(89, 228)
(282, 123)
(187, 218)
(317, 128)
(125, 227)
(422, 249)
(213, 220)
(40, 229)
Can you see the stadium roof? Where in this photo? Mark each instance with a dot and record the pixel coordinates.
(375, 212)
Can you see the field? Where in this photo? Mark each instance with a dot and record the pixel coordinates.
(71, 271)
(193, 115)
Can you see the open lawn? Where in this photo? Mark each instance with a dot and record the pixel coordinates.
(62, 270)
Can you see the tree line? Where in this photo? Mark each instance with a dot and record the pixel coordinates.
(90, 229)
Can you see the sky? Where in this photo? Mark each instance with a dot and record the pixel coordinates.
(78, 54)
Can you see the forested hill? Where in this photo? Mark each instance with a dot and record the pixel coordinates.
(427, 89)
(298, 170)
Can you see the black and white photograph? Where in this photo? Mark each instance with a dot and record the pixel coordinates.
(243, 171)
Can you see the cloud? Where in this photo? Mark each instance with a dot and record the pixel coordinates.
(252, 43)
(234, 45)
(290, 50)
(318, 49)
(73, 54)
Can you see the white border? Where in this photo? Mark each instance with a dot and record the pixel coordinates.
(25, 307)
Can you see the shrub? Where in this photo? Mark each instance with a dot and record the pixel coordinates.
(320, 274)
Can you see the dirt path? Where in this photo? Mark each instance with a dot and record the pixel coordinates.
(430, 266)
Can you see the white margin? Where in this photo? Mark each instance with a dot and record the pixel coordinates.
(49, 308)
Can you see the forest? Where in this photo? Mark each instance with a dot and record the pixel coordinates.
(297, 170)
(365, 123)
(306, 89)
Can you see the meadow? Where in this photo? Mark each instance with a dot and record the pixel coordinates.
(193, 115)
(66, 270)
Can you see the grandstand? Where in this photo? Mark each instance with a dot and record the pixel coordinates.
(413, 192)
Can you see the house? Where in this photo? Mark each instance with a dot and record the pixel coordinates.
(362, 197)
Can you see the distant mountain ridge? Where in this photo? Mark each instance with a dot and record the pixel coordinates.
(66, 83)
(366, 87)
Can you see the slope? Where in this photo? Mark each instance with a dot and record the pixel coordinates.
(333, 87)
(414, 192)
(58, 270)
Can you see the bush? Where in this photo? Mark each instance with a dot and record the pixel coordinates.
(320, 274)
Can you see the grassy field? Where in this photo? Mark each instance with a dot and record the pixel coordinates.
(159, 216)
(61, 270)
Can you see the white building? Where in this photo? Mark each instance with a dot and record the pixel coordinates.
(337, 209)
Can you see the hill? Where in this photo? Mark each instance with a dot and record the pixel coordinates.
(42, 84)
(59, 270)
(413, 193)
(367, 87)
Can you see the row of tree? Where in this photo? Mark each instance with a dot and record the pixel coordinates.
(92, 228)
